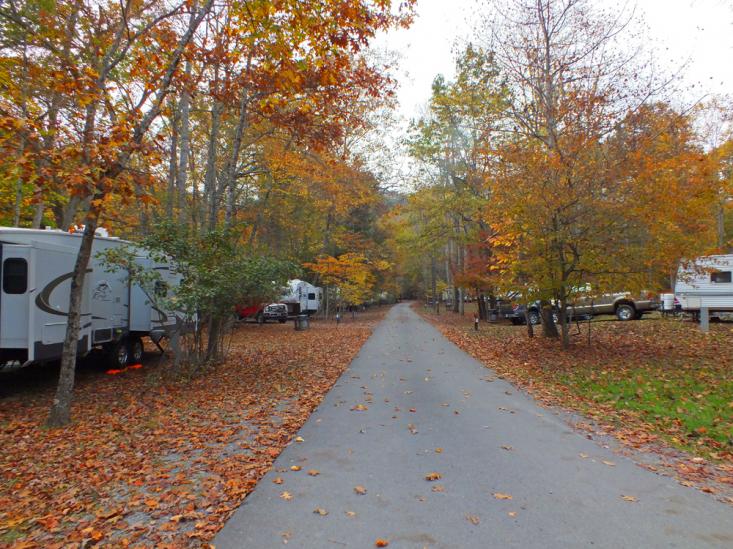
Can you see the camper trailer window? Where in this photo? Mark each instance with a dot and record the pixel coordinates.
(15, 276)
(311, 296)
(721, 277)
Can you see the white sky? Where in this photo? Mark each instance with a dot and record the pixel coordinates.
(700, 31)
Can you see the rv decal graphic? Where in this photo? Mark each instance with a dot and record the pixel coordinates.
(42, 299)
(103, 292)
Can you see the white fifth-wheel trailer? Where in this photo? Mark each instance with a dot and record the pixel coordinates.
(36, 268)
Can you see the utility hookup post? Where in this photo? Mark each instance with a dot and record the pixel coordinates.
(338, 318)
(475, 321)
(705, 319)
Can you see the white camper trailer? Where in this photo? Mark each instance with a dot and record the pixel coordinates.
(302, 298)
(36, 269)
(706, 283)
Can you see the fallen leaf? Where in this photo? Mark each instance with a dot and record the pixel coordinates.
(314, 472)
(609, 463)
(320, 511)
(507, 447)
(360, 490)
(299, 439)
(512, 513)
(295, 467)
(381, 543)
(350, 514)
(584, 456)
(473, 519)
(433, 476)
(359, 408)
(499, 495)
(277, 480)
(286, 496)
(412, 428)
(438, 450)
(629, 498)
(438, 488)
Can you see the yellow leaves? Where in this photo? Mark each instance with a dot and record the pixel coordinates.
(381, 542)
(359, 408)
(438, 450)
(360, 490)
(295, 467)
(630, 499)
(278, 480)
(299, 439)
(313, 472)
(500, 495)
(430, 477)
(287, 496)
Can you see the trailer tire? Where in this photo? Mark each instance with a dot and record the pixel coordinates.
(119, 355)
(136, 350)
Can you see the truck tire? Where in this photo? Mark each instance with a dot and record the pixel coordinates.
(136, 350)
(534, 317)
(283, 320)
(625, 311)
(119, 355)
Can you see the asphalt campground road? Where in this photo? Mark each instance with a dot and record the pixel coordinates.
(430, 408)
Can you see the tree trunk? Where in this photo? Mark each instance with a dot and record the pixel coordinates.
(172, 164)
(564, 324)
(60, 413)
(549, 328)
(210, 176)
(185, 137)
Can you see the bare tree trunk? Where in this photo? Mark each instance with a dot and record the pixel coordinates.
(18, 189)
(172, 163)
(211, 199)
(564, 324)
(549, 328)
(185, 137)
(60, 413)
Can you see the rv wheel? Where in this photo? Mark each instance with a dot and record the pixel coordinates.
(136, 350)
(119, 355)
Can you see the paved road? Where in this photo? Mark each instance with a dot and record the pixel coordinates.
(423, 393)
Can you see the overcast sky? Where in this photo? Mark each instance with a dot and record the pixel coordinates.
(700, 31)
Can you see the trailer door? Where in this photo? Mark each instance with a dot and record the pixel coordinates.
(14, 298)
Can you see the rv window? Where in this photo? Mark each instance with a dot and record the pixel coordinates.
(721, 277)
(311, 296)
(15, 276)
